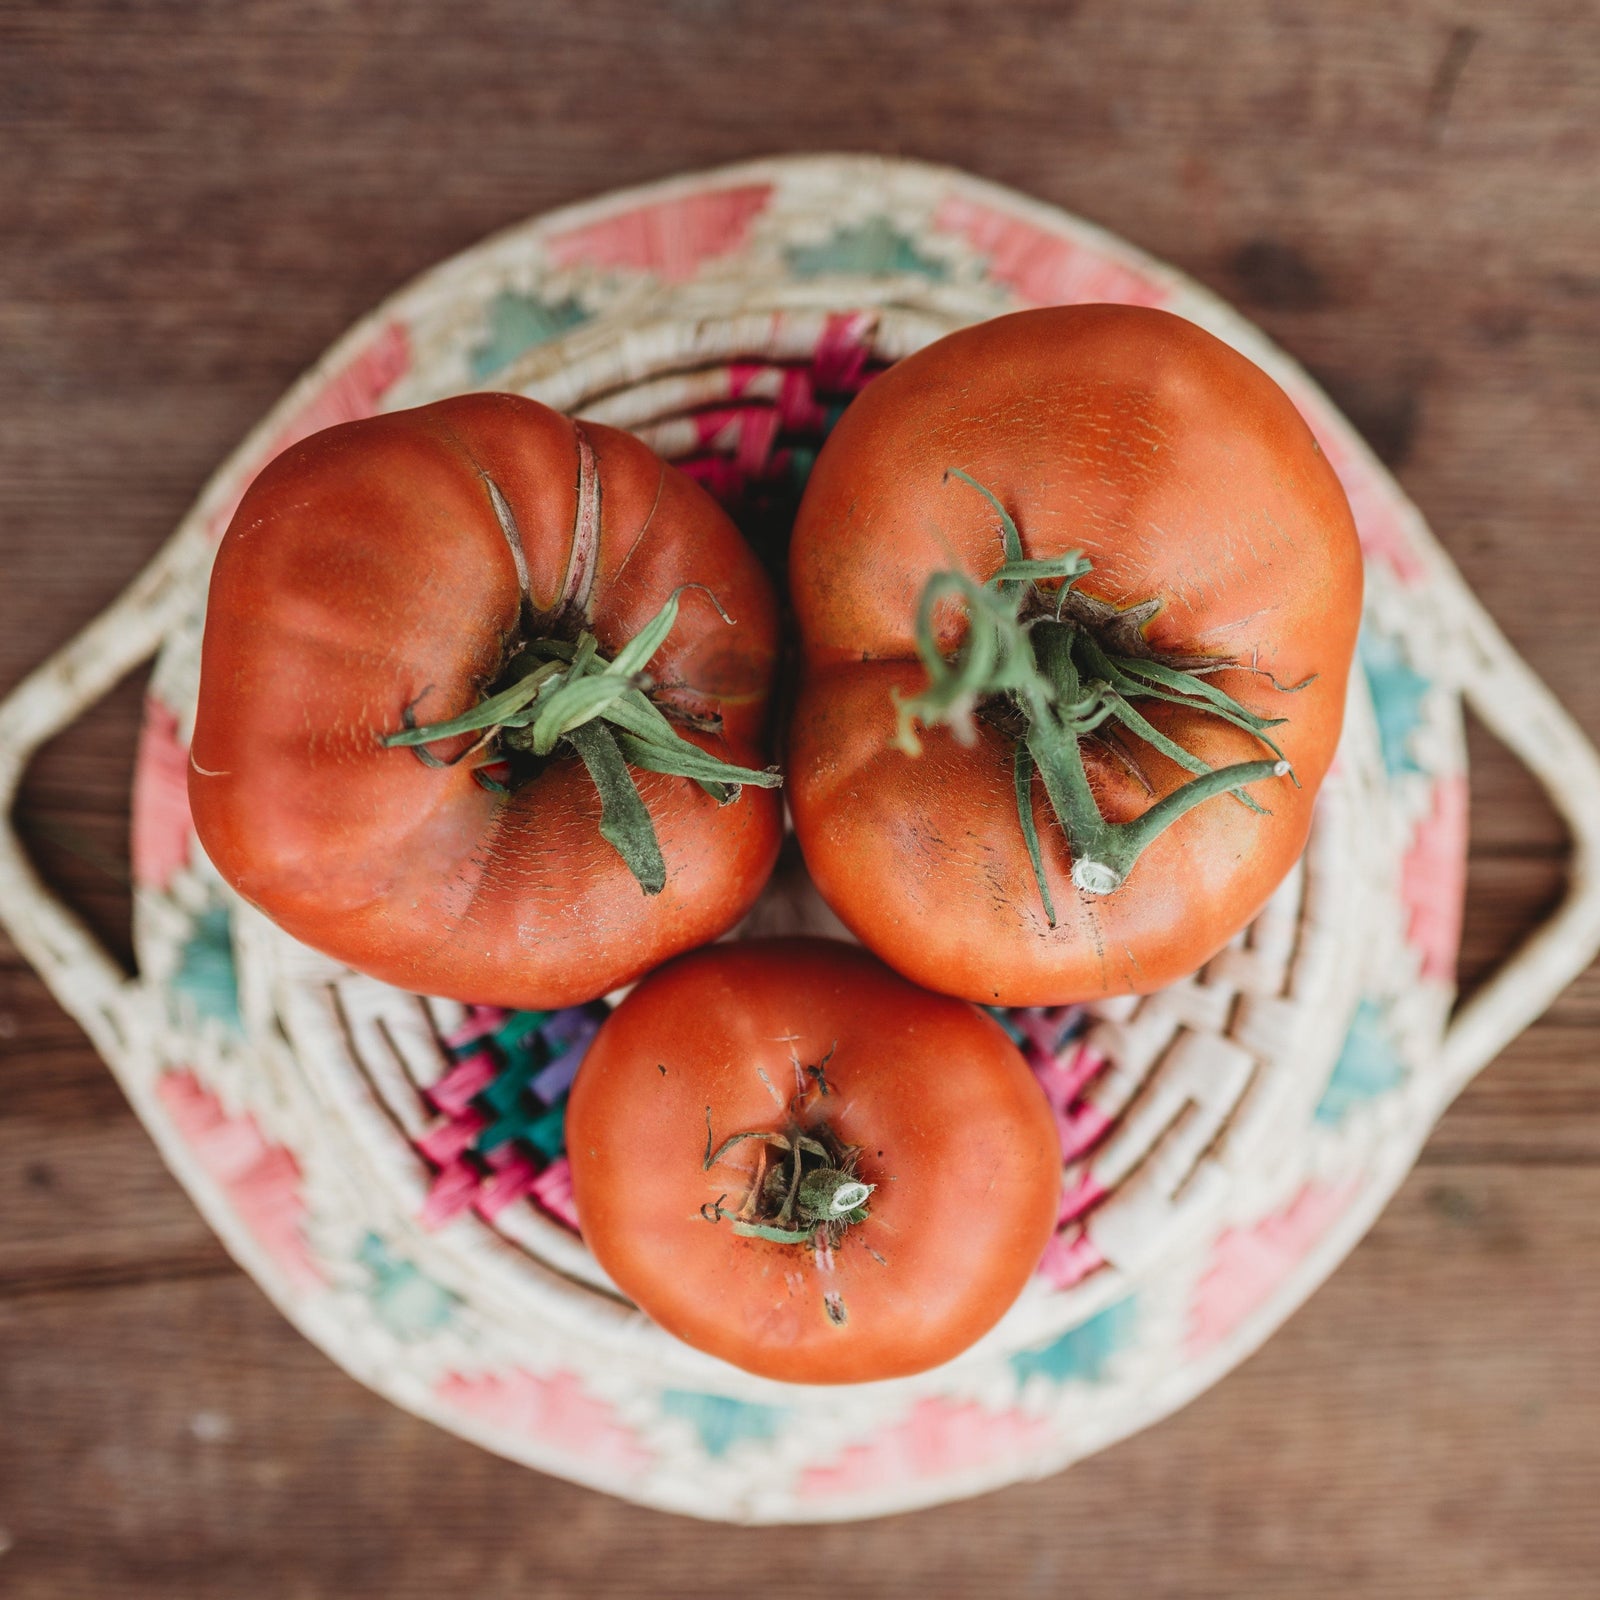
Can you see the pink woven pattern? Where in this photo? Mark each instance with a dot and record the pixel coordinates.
(937, 1437)
(161, 822)
(1066, 1067)
(461, 1186)
(1433, 879)
(1041, 266)
(1248, 1264)
(511, 1179)
(747, 433)
(670, 238)
(468, 1179)
(260, 1179)
(752, 440)
(1080, 1122)
(839, 365)
(469, 1077)
(552, 1188)
(442, 1144)
(1079, 1197)
(556, 1410)
(1069, 1258)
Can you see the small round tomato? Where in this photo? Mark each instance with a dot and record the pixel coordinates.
(482, 700)
(799, 1162)
(1078, 595)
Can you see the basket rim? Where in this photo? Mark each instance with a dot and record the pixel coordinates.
(163, 598)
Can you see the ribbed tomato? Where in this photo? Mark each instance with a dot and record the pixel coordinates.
(578, 629)
(799, 1162)
(1097, 555)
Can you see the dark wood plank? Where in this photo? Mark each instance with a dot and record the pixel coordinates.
(1538, 1104)
(91, 1202)
(197, 197)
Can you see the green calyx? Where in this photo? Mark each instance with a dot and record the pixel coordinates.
(1053, 667)
(804, 1189)
(560, 696)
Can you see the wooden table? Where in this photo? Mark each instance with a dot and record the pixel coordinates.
(196, 198)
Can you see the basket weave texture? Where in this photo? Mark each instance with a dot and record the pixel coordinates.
(390, 1167)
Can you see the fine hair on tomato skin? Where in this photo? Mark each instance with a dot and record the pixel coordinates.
(919, 1099)
(1203, 509)
(388, 572)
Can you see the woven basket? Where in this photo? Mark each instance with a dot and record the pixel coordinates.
(389, 1167)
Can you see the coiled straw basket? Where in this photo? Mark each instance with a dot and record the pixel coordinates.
(389, 1167)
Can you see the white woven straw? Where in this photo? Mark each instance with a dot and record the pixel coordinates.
(1259, 1112)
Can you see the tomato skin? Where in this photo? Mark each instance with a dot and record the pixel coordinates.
(1184, 474)
(953, 1129)
(366, 571)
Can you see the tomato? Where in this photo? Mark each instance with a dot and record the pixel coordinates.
(445, 563)
(926, 1138)
(1063, 703)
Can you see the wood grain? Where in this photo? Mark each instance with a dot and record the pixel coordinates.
(198, 195)
(1369, 1450)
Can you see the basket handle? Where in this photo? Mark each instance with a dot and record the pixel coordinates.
(1515, 705)
(78, 970)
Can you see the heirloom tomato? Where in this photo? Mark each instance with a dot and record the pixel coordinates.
(797, 1161)
(1098, 557)
(482, 697)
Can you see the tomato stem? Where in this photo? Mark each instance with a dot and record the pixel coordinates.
(1053, 667)
(810, 1195)
(562, 696)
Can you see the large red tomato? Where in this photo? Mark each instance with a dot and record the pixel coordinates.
(1064, 702)
(797, 1161)
(414, 568)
